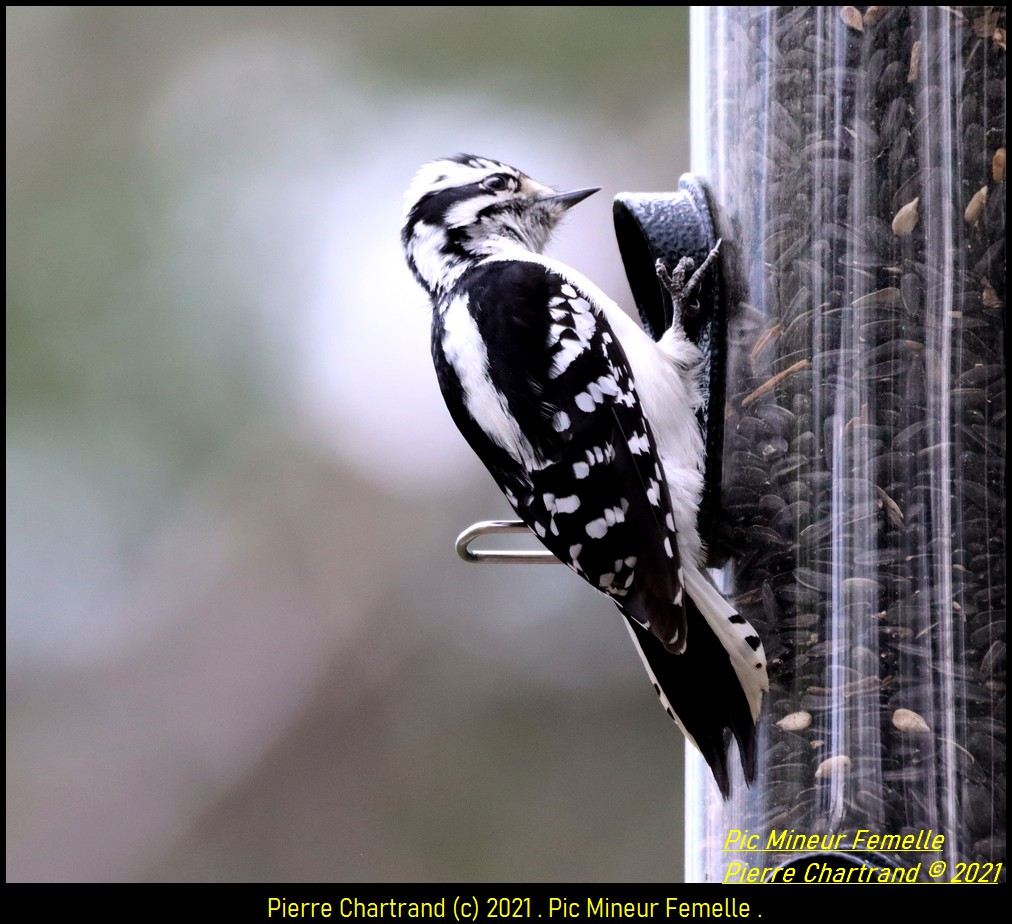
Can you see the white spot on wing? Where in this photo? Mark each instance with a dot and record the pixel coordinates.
(596, 529)
(567, 504)
(608, 385)
(638, 443)
(572, 331)
(567, 354)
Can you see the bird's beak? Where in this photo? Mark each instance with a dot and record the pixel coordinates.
(568, 199)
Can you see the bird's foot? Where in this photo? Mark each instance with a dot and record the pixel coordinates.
(681, 282)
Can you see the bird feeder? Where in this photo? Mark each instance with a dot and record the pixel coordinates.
(856, 161)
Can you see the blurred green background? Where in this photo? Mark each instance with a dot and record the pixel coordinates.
(239, 643)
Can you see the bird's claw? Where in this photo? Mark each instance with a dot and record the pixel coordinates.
(681, 282)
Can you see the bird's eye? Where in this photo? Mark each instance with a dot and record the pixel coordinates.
(495, 183)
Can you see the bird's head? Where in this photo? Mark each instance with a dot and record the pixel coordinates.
(463, 208)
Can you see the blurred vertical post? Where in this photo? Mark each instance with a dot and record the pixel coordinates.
(856, 156)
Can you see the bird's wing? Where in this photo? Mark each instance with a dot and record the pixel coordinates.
(553, 413)
(592, 488)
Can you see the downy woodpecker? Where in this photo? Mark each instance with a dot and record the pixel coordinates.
(589, 427)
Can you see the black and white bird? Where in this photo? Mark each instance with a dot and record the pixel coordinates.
(589, 428)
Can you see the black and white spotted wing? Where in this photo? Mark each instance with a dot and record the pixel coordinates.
(582, 470)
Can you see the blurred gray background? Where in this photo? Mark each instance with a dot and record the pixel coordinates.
(239, 643)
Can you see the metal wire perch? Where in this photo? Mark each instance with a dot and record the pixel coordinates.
(503, 557)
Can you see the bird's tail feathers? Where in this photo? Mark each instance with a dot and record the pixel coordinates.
(736, 635)
(712, 690)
